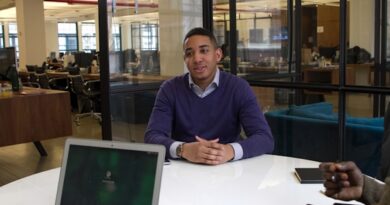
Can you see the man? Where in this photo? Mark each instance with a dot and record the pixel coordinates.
(198, 116)
(344, 181)
(385, 158)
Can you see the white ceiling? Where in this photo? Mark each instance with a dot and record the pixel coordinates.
(84, 10)
(146, 10)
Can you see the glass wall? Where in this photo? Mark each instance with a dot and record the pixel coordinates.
(116, 36)
(262, 36)
(1, 36)
(151, 35)
(292, 54)
(269, 38)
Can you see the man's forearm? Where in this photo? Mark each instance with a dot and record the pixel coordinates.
(372, 190)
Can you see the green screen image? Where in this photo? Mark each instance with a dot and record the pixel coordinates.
(108, 176)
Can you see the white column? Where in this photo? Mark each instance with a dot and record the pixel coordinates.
(51, 37)
(6, 34)
(126, 36)
(176, 19)
(361, 24)
(31, 32)
(79, 36)
(97, 29)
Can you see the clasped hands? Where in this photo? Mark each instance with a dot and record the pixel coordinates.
(207, 151)
(343, 180)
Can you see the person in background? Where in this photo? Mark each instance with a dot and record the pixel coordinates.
(198, 116)
(344, 181)
(385, 158)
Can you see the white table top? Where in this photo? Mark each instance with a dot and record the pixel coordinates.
(266, 179)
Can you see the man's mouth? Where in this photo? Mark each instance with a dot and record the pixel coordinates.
(199, 69)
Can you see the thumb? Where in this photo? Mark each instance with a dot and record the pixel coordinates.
(199, 139)
(214, 140)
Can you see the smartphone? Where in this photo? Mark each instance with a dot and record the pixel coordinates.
(167, 162)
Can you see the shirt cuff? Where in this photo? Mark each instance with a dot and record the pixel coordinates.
(173, 147)
(238, 152)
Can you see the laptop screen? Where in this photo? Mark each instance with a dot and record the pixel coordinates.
(101, 175)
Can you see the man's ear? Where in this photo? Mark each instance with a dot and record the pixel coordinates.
(218, 53)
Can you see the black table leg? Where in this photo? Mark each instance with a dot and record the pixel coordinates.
(40, 148)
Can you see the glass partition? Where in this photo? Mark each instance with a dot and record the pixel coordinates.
(151, 40)
(262, 36)
(363, 133)
(299, 94)
(1, 36)
(361, 54)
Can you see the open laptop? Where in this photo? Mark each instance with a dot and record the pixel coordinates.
(107, 172)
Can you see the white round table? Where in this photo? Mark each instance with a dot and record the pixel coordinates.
(267, 179)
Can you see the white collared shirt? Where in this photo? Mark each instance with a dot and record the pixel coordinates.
(209, 89)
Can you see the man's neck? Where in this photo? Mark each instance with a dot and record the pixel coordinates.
(203, 84)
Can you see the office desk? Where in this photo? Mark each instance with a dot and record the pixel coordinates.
(33, 115)
(267, 179)
(55, 74)
(86, 76)
(329, 75)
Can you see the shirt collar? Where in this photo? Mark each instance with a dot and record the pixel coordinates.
(215, 80)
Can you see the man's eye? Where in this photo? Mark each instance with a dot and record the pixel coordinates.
(204, 50)
(188, 54)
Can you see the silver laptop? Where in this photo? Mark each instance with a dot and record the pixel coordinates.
(107, 172)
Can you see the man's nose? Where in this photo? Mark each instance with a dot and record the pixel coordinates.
(197, 57)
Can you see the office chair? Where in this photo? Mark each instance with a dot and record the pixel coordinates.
(32, 80)
(43, 79)
(45, 82)
(88, 95)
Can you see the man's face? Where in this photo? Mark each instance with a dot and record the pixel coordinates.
(201, 58)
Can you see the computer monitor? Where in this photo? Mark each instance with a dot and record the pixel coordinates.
(150, 61)
(7, 59)
(52, 55)
(327, 52)
(129, 55)
(83, 59)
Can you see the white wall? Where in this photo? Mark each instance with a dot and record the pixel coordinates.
(362, 24)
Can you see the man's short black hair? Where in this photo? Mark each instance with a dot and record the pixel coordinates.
(202, 32)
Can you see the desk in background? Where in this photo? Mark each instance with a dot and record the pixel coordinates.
(56, 74)
(329, 75)
(267, 179)
(33, 115)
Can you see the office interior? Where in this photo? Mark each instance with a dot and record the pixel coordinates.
(318, 68)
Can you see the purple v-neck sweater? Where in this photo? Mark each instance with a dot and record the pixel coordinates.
(180, 115)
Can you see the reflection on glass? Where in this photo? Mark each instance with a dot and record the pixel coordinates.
(134, 44)
(262, 36)
(1, 36)
(320, 42)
